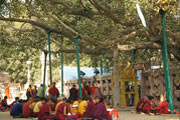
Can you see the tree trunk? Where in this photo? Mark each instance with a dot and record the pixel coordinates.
(116, 87)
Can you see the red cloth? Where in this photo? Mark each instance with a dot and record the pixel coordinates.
(4, 103)
(53, 91)
(44, 113)
(26, 111)
(60, 112)
(163, 108)
(35, 114)
(140, 105)
(84, 93)
(93, 90)
(11, 105)
(89, 109)
(148, 106)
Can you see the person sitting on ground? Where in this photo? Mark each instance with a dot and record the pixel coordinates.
(64, 112)
(4, 102)
(91, 106)
(162, 108)
(82, 106)
(140, 104)
(75, 105)
(45, 112)
(27, 108)
(11, 105)
(99, 112)
(17, 109)
(37, 107)
(53, 92)
(148, 106)
(59, 102)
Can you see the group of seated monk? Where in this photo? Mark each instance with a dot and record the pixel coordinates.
(62, 109)
(146, 105)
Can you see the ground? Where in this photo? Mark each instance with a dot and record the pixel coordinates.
(124, 115)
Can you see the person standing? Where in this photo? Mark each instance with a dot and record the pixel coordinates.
(34, 92)
(40, 91)
(53, 92)
(29, 92)
(73, 93)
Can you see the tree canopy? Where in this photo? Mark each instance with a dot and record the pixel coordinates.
(104, 25)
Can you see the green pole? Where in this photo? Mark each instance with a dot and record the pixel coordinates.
(101, 66)
(44, 77)
(62, 72)
(78, 65)
(165, 63)
(49, 48)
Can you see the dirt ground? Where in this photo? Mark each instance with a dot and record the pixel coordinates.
(124, 115)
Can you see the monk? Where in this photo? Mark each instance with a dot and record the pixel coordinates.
(75, 105)
(87, 88)
(27, 109)
(140, 104)
(162, 108)
(59, 102)
(53, 91)
(11, 105)
(37, 107)
(91, 106)
(100, 112)
(34, 91)
(63, 112)
(29, 92)
(148, 106)
(45, 112)
(95, 91)
(73, 93)
(4, 102)
(82, 106)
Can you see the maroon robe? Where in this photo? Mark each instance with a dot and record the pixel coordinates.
(89, 109)
(44, 112)
(140, 105)
(100, 112)
(26, 111)
(60, 112)
(53, 91)
(148, 107)
(162, 108)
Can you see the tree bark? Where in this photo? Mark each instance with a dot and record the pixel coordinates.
(116, 87)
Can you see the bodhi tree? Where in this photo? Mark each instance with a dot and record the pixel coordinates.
(105, 27)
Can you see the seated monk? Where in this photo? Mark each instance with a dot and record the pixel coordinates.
(11, 105)
(140, 104)
(27, 108)
(63, 111)
(82, 106)
(162, 108)
(4, 102)
(100, 112)
(45, 112)
(16, 111)
(59, 101)
(74, 107)
(148, 106)
(91, 106)
(37, 107)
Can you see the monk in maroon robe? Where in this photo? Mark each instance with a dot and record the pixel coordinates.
(162, 108)
(27, 109)
(100, 112)
(90, 107)
(148, 106)
(53, 91)
(140, 104)
(45, 112)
